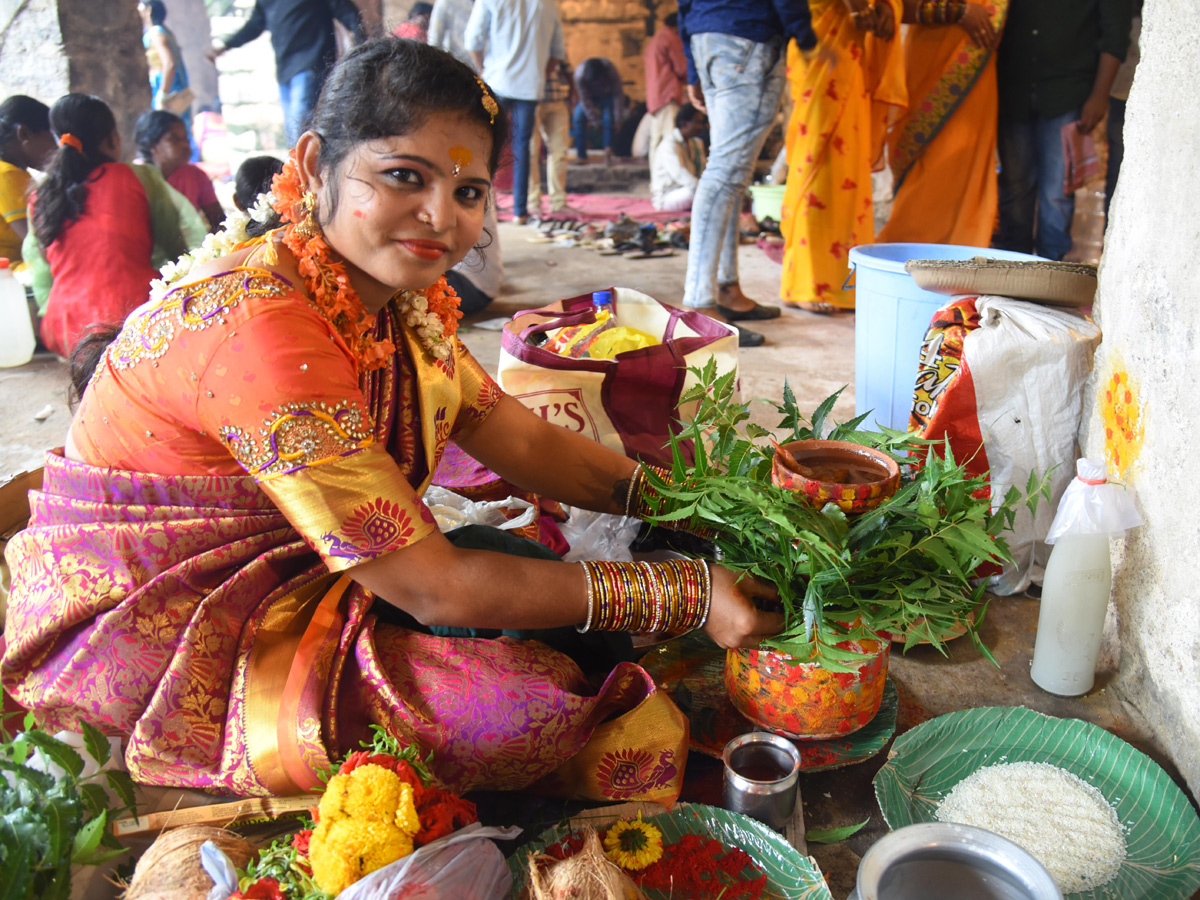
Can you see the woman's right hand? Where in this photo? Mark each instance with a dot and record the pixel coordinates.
(977, 23)
(733, 619)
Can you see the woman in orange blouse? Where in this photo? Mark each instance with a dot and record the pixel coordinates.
(231, 564)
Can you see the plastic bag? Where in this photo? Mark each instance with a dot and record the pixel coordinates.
(594, 535)
(465, 865)
(453, 510)
(1093, 505)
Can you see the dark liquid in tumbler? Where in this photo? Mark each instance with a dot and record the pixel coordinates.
(760, 763)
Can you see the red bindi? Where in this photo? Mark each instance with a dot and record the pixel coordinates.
(360, 213)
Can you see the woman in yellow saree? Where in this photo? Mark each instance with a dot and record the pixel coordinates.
(840, 93)
(942, 149)
(230, 564)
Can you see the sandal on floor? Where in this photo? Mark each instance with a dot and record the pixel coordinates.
(756, 313)
(814, 306)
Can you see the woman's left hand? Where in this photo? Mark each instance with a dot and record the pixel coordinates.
(734, 620)
(885, 21)
(978, 25)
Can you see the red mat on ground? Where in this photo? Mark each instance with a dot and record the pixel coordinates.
(596, 208)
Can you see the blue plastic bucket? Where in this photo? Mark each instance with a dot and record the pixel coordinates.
(891, 318)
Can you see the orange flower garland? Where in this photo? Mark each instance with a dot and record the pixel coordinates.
(434, 313)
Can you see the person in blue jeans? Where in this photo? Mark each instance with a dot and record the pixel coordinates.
(601, 101)
(305, 48)
(513, 44)
(1055, 68)
(735, 51)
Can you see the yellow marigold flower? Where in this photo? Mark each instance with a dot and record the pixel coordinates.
(343, 851)
(633, 845)
(406, 810)
(373, 793)
(333, 800)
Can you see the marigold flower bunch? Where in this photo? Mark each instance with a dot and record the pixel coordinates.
(377, 808)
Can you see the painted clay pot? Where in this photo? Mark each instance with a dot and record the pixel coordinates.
(802, 699)
(855, 477)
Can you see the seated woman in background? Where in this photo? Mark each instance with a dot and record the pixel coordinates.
(254, 177)
(162, 140)
(101, 228)
(231, 565)
(25, 143)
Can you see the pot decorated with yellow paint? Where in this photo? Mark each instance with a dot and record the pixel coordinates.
(803, 699)
(855, 477)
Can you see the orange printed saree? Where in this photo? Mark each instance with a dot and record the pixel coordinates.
(840, 94)
(183, 588)
(942, 149)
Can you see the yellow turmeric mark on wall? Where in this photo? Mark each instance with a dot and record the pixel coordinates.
(1123, 415)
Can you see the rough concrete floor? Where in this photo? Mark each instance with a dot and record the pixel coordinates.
(816, 354)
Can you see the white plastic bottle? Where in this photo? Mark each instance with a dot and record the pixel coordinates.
(16, 330)
(1078, 580)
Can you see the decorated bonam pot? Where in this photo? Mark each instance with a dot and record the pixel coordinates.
(803, 699)
(855, 477)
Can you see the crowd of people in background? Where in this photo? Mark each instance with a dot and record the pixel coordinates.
(966, 102)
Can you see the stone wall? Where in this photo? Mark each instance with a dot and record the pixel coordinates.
(30, 31)
(1145, 417)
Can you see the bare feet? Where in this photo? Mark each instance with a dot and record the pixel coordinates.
(814, 306)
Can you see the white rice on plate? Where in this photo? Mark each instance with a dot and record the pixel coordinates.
(1066, 823)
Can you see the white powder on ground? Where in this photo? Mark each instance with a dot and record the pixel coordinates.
(1066, 823)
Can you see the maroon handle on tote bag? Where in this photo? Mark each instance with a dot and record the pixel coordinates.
(640, 390)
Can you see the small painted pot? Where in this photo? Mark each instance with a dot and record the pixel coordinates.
(802, 699)
(855, 477)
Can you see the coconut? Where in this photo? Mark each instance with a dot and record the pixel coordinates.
(170, 869)
(588, 875)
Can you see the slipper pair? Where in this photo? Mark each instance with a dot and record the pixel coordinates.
(757, 313)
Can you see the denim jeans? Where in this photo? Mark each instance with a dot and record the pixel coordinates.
(579, 125)
(1116, 149)
(521, 114)
(298, 95)
(1031, 187)
(742, 81)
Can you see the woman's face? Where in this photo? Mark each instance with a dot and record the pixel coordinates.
(409, 207)
(172, 149)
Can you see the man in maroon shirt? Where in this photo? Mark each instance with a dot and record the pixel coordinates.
(666, 75)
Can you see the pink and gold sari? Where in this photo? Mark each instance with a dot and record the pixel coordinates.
(219, 638)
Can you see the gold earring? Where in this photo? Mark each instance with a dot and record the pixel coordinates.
(308, 227)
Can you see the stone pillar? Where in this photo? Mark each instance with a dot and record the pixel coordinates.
(48, 49)
(103, 46)
(1144, 407)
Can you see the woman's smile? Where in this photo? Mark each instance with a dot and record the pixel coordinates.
(427, 250)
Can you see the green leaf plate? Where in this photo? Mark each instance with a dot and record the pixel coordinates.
(692, 670)
(1162, 831)
(790, 874)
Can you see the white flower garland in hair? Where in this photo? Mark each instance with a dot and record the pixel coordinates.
(218, 244)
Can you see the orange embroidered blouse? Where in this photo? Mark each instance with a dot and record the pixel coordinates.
(240, 372)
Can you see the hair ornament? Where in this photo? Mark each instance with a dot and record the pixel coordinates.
(69, 140)
(490, 106)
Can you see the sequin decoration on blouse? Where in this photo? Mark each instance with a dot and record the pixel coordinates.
(297, 436)
(149, 329)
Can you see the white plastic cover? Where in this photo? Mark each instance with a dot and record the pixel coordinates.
(1086, 508)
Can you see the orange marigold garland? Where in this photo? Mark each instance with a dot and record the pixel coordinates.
(433, 313)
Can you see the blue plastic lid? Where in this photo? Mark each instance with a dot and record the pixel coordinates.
(602, 298)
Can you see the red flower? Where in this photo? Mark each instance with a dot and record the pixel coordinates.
(441, 813)
(263, 889)
(300, 841)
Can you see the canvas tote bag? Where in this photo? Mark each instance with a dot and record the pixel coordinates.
(629, 403)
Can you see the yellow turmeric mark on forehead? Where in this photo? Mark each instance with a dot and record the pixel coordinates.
(460, 156)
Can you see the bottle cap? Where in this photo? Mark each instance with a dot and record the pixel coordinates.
(602, 298)
(4, 262)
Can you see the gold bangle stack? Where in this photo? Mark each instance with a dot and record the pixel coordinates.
(941, 12)
(647, 598)
(643, 501)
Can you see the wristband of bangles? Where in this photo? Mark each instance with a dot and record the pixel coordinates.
(941, 12)
(642, 501)
(647, 598)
